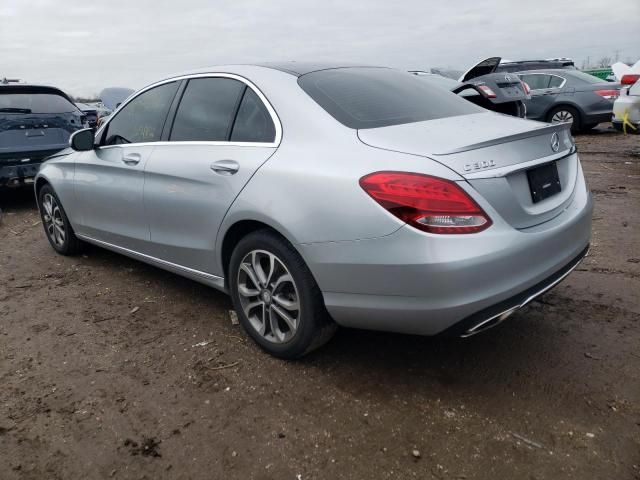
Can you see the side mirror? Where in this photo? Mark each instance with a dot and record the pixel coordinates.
(82, 140)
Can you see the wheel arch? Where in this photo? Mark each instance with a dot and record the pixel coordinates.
(236, 232)
(564, 103)
(40, 182)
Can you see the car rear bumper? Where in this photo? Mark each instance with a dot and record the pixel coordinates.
(492, 316)
(417, 283)
(619, 126)
(14, 175)
(597, 118)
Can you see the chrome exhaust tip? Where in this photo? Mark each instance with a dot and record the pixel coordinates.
(490, 322)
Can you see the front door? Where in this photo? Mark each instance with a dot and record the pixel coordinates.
(109, 180)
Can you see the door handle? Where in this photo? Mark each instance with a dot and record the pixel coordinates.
(225, 167)
(132, 158)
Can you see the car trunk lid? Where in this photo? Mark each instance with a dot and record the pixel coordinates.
(484, 67)
(495, 154)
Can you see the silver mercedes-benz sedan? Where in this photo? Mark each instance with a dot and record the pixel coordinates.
(325, 195)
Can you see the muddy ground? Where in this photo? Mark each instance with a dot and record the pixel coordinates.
(110, 368)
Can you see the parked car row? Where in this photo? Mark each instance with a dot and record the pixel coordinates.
(547, 90)
(326, 195)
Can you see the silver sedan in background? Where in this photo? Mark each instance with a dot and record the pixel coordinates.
(324, 195)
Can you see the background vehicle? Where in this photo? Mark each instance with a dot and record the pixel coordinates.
(35, 122)
(390, 204)
(492, 91)
(90, 113)
(569, 96)
(113, 96)
(520, 65)
(626, 108)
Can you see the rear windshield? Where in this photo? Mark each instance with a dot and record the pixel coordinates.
(34, 101)
(380, 97)
(586, 78)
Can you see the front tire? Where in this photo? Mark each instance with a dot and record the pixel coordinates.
(276, 298)
(56, 224)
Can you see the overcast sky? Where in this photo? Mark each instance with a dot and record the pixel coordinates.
(83, 46)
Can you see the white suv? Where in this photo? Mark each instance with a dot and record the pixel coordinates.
(626, 109)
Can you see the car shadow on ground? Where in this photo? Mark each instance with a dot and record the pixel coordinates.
(17, 199)
(393, 359)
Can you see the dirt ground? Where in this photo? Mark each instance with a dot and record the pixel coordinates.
(110, 368)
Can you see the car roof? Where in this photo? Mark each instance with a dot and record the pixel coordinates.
(302, 68)
(294, 68)
(555, 71)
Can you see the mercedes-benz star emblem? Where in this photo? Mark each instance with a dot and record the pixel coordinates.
(555, 142)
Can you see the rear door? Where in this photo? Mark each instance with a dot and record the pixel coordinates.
(223, 130)
(544, 91)
(109, 180)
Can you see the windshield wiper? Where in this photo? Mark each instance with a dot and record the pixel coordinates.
(15, 110)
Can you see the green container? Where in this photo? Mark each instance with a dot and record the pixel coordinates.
(601, 73)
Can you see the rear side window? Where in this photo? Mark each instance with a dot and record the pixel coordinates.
(34, 101)
(536, 81)
(555, 81)
(380, 97)
(253, 122)
(206, 110)
(142, 119)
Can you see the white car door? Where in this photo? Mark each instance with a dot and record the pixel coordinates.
(109, 180)
(223, 130)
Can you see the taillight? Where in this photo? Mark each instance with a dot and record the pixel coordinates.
(630, 78)
(526, 88)
(487, 91)
(609, 94)
(427, 203)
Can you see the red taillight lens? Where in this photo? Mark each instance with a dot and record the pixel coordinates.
(487, 91)
(427, 203)
(630, 78)
(610, 94)
(526, 88)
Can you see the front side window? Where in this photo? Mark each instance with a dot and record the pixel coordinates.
(253, 122)
(365, 97)
(142, 119)
(206, 110)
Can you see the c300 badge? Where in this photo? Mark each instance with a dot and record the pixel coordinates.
(479, 165)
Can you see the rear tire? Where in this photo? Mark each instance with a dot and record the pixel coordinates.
(56, 224)
(565, 113)
(276, 298)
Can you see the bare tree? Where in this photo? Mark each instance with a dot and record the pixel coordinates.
(605, 62)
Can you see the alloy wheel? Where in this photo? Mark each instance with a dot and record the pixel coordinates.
(269, 296)
(562, 116)
(53, 222)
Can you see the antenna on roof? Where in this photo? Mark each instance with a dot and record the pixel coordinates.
(7, 81)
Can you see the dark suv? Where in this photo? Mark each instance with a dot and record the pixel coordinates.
(35, 122)
(521, 65)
